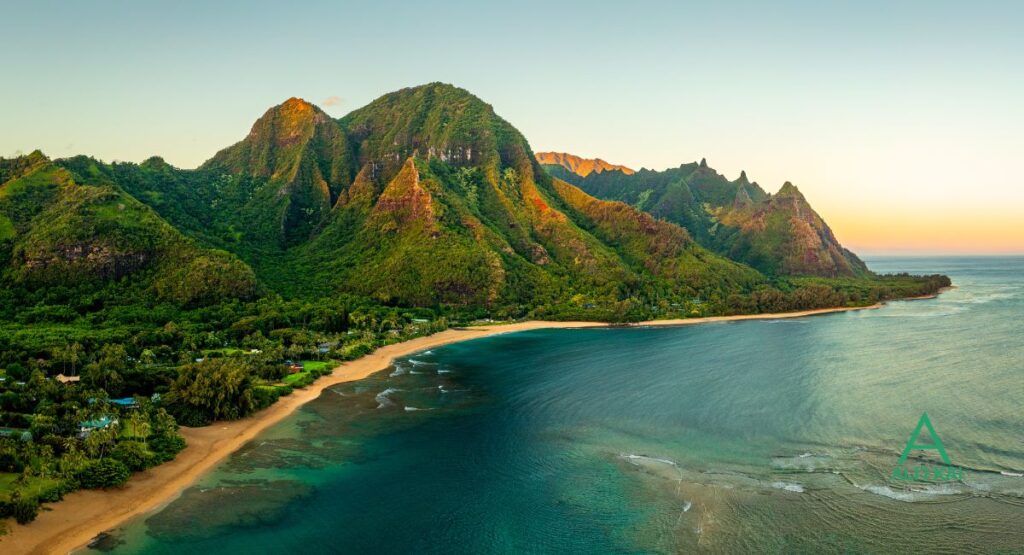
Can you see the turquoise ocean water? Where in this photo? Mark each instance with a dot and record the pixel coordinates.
(774, 436)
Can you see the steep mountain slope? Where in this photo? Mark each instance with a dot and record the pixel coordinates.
(423, 198)
(286, 175)
(579, 166)
(738, 219)
(449, 205)
(65, 224)
(784, 235)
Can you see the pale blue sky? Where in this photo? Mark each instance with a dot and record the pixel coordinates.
(901, 121)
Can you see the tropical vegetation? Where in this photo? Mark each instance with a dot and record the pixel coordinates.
(139, 297)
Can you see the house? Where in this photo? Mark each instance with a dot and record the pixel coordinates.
(295, 367)
(20, 433)
(86, 427)
(127, 402)
(68, 379)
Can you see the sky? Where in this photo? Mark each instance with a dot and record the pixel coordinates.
(901, 122)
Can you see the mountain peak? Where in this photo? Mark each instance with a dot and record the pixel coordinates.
(304, 157)
(789, 190)
(276, 140)
(291, 118)
(743, 177)
(580, 166)
(297, 103)
(436, 120)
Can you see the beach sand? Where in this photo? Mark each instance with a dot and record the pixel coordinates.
(73, 522)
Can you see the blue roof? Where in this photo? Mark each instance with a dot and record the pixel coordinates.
(124, 401)
(101, 422)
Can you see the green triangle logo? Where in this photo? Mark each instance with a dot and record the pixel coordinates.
(912, 444)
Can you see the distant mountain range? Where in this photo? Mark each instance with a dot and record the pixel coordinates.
(579, 166)
(424, 197)
(777, 234)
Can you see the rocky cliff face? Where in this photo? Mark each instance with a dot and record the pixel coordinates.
(580, 166)
(779, 235)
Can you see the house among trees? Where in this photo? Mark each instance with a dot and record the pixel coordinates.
(68, 379)
(19, 433)
(86, 427)
(127, 402)
(294, 367)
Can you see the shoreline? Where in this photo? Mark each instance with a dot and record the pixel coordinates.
(75, 521)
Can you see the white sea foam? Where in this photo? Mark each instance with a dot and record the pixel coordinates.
(631, 457)
(1011, 474)
(382, 398)
(686, 506)
(788, 486)
(399, 370)
(807, 462)
(410, 409)
(912, 495)
(890, 493)
(443, 371)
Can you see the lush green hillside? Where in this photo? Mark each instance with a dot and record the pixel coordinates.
(68, 225)
(778, 235)
(466, 213)
(286, 175)
(425, 197)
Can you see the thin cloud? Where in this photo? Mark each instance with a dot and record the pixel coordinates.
(332, 101)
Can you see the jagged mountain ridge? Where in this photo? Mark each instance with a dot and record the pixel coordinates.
(580, 166)
(425, 197)
(778, 235)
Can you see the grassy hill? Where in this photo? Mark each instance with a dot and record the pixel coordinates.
(67, 225)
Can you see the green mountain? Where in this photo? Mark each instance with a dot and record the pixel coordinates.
(450, 206)
(424, 198)
(284, 178)
(778, 235)
(64, 224)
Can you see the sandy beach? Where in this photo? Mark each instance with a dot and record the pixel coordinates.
(72, 523)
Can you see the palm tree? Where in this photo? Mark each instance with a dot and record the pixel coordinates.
(136, 422)
(74, 354)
